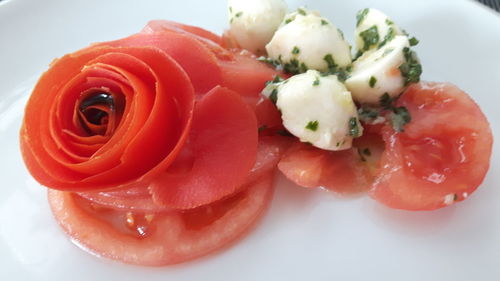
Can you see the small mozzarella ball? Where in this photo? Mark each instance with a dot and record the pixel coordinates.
(319, 110)
(253, 23)
(373, 27)
(305, 40)
(377, 72)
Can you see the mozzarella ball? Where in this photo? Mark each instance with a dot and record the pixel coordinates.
(253, 23)
(373, 29)
(319, 110)
(378, 72)
(305, 41)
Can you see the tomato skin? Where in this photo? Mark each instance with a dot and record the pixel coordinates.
(164, 238)
(443, 154)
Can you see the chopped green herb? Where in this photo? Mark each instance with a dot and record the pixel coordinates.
(316, 82)
(386, 101)
(354, 127)
(389, 22)
(391, 33)
(332, 66)
(324, 22)
(301, 11)
(399, 118)
(230, 9)
(295, 67)
(387, 51)
(295, 50)
(342, 74)
(413, 41)
(268, 61)
(411, 69)
(367, 114)
(312, 125)
(274, 96)
(358, 54)
(360, 16)
(277, 79)
(262, 128)
(341, 33)
(372, 81)
(289, 20)
(238, 14)
(370, 37)
(231, 20)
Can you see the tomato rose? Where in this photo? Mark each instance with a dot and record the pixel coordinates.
(97, 113)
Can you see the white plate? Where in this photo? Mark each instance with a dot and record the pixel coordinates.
(307, 235)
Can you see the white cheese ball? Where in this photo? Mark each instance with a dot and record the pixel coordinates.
(305, 40)
(373, 24)
(377, 72)
(319, 110)
(253, 23)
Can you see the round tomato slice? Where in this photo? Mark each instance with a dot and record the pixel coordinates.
(340, 171)
(443, 154)
(156, 239)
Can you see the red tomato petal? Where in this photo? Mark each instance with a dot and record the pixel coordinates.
(220, 153)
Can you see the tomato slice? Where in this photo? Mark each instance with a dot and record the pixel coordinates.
(340, 171)
(443, 154)
(156, 239)
(138, 199)
(220, 152)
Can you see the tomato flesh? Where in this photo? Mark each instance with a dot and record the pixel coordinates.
(156, 239)
(443, 154)
(340, 171)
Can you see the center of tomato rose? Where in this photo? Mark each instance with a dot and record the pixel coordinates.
(98, 113)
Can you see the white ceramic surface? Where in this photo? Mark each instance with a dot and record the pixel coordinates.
(307, 235)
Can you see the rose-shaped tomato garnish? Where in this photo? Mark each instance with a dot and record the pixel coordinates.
(106, 117)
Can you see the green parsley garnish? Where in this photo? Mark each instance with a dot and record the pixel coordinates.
(274, 96)
(389, 22)
(295, 50)
(289, 20)
(413, 41)
(301, 11)
(312, 125)
(370, 37)
(230, 9)
(295, 67)
(360, 16)
(238, 14)
(399, 118)
(366, 113)
(372, 81)
(332, 66)
(324, 22)
(411, 69)
(268, 61)
(354, 127)
(391, 33)
(316, 82)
